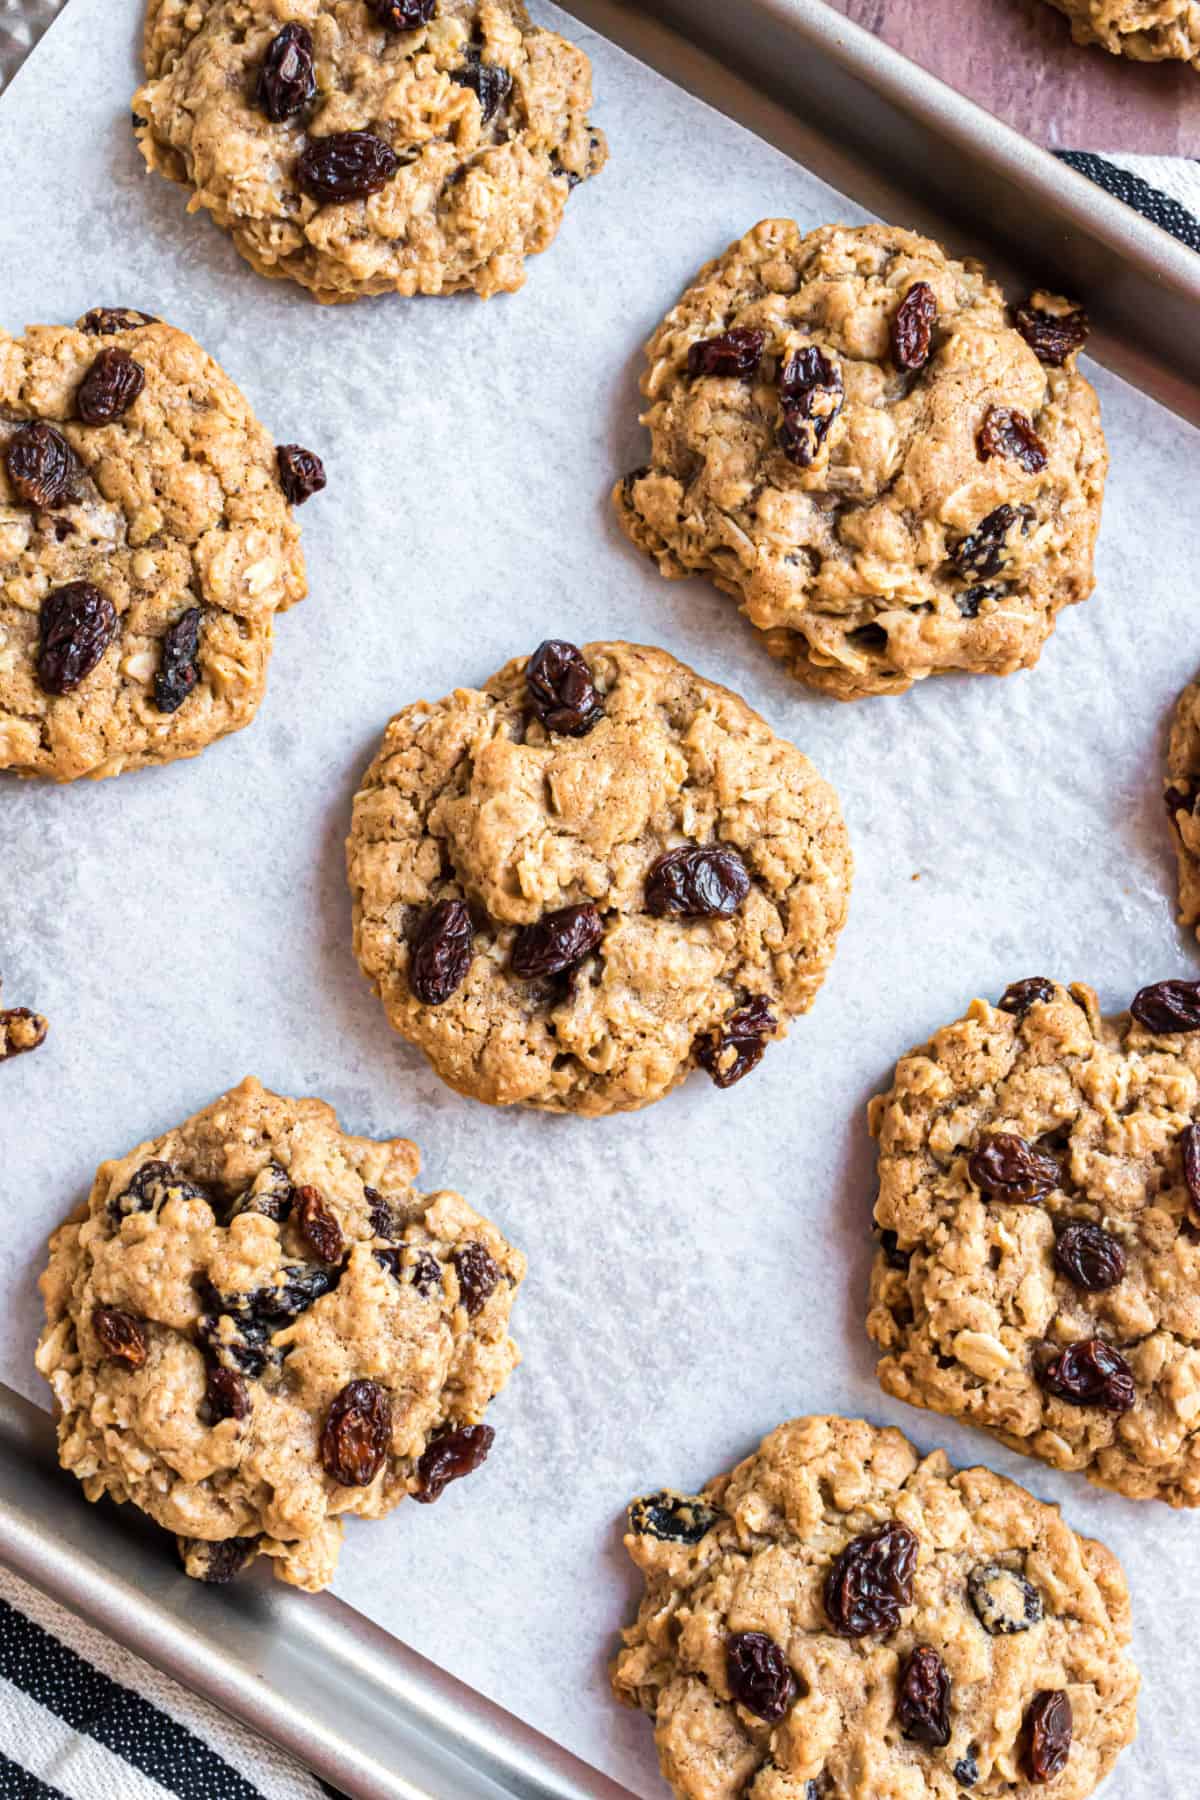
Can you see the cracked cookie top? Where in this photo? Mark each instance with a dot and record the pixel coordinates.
(370, 146)
(258, 1325)
(572, 885)
(853, 436)
(145, 545)
(1039, 1205)
(840, 1618)
(1165, 30)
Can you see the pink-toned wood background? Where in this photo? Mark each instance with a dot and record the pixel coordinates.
(1017, 58)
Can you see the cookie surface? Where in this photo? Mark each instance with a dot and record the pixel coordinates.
(1039, 1274)
(1165, 30)
(1182, 797)
(770, 1672)
(514, 905)
(851, 436)
(257, 1326)
(477, 125)
(143, 555)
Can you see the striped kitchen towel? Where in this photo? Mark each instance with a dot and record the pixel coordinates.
(1165, 188)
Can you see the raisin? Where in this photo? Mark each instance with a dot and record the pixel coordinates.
(1005, 1167)
(270, 1194)
(490, 84)
(20, 1032)
(179, 670)
(77, 624)
(477, 1274)
(912, 327)
(216, 1563)
(1091, 1373)
(1168, 1006)
(120, 1335)
(347, 165)
(1019, 996)
(227, 1395)
(923, 1703)
(301, 473)
(1190, 1142)
(318, 1225)
(696, 883)
(456, 1451)
(811, 391)
(106, 321)
(244, 1343)
(737, 1046)
(561, 689)
(672, 1518)
(969, 600)
(759, 1676)
(871, 1580)
(1090, 1257)
(356, 1434)
(983, 551)
(287, 80)
(1009, 433)
(557, 942)
(41, 466)
(403, 15)
(736, 352)
(1049, 1724)
(109, 388)
(440, 952)
(966, 1769)
(424, 1271)
(149, 1189)
(893, 1255)
(383, 1220)
(1004, 1602)
(1052, 336)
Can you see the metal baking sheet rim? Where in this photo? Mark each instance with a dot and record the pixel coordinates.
(345, 1697)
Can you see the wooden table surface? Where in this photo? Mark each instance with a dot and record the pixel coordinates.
(1017, 58)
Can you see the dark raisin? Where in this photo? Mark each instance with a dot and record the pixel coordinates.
(107, 321)
(440, 952)
(301, 473)
(348, 165)
(1019, 996)
(737, 1046)
(457, 1451)
(969, 600)
(811, 390)
(736, 352)
(912, 326)
(1168, 1006)
(1005, 1167)
(489, 83)
(561, 688)
(109, 388)
(270, 1194)
(149, 1189)
(923, 1702)
(672, 1518)
(1052, 336)
(477, 1274)
(236, 1329)
(20, 1031)
(383, 1220)
(243, 1345)
(227, 1395)
(120, 1335)
(1004, 1601)
(1049, 1724)
(424, 1271)
(871, 1580)
(985, 550)
(216, 1563)
(556, 942)
(966, 1769)
(1189, 1140)
(1090, 1257)
(318, 1225)
(759, 1676)
(1091, 1373)
(41, 466)
(287, 80)
(356, 1434)
(1009, 433)
(179, 670)
(893, 1255)
(403, 15)
(77, 624)
(696, 883)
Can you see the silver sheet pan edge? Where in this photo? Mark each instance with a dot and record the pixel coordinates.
(365, 1713)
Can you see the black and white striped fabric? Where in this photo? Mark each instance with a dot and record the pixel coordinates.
(1165, 189)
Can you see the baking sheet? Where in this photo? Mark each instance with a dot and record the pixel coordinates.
(698, 1270)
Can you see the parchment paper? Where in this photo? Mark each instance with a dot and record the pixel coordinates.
(697, 1271)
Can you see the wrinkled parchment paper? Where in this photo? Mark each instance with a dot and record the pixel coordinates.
(698, 1269)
